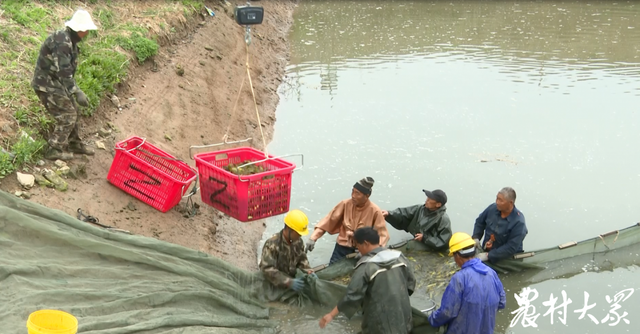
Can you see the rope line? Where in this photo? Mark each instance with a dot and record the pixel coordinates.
(614, 240)
(253, 94)
(264, 142)
(235, 105)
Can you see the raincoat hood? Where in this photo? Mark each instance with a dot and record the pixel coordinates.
(381, 256)
(477, 266)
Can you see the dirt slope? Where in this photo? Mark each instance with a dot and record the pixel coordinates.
(192, 109)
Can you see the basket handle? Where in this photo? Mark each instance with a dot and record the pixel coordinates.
(272, 158)
(225, 142)
(195, 188)
(295, 154)
(133, 149)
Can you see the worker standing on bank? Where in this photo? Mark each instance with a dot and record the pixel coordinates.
(381, 285)
(54, 83)
(474, 294)
(349, 215)
(283, 254)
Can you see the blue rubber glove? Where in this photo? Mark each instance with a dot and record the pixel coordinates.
(296, 284)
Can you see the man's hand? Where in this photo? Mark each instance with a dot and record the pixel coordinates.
(328, 317)
(82, 98)
(310, 245)
(477, 243)
(312, 274)
(296, 284)
(385, 213)
(484, 257)
(326, 320)
(418, 237)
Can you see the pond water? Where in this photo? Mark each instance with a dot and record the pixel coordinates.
(469, 97)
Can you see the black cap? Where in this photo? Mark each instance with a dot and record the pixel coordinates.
(437, 195)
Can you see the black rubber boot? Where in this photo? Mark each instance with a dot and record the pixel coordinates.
(80, 148)
(53, 153)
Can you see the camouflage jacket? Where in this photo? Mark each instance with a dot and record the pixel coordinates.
(280, 260)
(57, 63)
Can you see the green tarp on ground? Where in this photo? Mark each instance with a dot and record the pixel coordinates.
(116, 283)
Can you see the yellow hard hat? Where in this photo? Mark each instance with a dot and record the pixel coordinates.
(459, 240)
(297, 221)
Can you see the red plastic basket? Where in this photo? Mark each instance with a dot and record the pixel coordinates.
(150, 174)
(245, 197)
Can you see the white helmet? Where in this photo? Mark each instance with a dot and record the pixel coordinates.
(81, 21)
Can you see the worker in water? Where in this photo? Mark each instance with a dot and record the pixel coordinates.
(474, 294)
(428, 223)
(349, 215)
(54, 83)
(283, 254)
(380, 285)
(503, 227)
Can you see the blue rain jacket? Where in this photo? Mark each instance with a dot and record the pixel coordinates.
(471, 300)
(509, 232)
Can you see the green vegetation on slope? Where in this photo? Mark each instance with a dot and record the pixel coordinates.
(24, 25)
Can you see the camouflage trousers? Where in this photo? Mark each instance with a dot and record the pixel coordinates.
(65, 112)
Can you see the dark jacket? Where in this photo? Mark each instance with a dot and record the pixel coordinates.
(57, 64)
(435, 226)
(509, 232)
(381, 285)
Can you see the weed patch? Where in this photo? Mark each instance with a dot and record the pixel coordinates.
(193, 4)
(26, 150)
(143, 47)
(6, 166)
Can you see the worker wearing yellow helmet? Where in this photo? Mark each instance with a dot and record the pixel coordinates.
(474, 295)
(283, 254)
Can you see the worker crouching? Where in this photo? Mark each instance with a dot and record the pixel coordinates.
(283, 254)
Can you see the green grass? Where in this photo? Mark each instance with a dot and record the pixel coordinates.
(190, 4)
(25, 150)
(103, 63)
(143, 47)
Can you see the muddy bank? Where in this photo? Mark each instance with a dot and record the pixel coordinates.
(185, 97)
